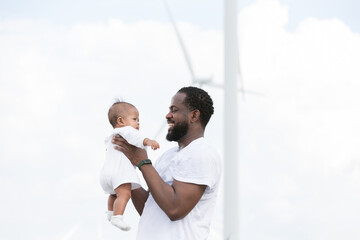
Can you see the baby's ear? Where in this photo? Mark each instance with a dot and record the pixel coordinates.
(120, 121)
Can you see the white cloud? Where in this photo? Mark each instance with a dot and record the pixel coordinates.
(305, 129)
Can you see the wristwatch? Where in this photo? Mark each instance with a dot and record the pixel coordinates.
(143, 162)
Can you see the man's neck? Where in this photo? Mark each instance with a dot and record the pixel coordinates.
(188, 138)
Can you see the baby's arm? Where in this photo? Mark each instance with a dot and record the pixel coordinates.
(152, 143)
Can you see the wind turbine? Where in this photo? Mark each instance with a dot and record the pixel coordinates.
(205, 81)
(194, 79)
(231, 74)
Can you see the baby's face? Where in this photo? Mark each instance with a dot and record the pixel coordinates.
(132, 118)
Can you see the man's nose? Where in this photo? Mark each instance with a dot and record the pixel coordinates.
(169, 115)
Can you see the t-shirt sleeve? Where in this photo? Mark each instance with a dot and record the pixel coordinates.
(131, 135)
(199, 168)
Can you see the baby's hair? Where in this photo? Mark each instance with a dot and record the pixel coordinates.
(118, 108)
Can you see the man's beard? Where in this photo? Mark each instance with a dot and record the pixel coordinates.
(178, 131)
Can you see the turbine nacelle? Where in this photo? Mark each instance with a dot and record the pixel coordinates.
(202, 81)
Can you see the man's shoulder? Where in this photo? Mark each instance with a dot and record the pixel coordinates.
(202, 146)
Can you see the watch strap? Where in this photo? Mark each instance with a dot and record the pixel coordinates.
(143, 162)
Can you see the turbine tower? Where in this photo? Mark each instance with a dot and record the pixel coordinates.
(231, 187)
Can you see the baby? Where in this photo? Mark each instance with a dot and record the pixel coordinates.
(118, 176)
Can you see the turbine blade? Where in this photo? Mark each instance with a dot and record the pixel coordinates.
(163, 125)
(218, 85)
(183, 48)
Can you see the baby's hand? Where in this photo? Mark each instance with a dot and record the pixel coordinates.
(153, 144)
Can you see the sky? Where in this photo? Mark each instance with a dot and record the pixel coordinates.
(63, 63)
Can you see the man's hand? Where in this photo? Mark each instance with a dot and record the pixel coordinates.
(136, 155)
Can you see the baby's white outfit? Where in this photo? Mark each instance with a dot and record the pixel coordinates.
(117, 168)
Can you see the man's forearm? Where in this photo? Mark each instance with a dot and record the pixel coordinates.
(176, 200)
(162, 192)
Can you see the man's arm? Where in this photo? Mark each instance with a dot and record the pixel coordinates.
(176, 200)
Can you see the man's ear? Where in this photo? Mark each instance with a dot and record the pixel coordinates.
(195, 116)
(120, 121)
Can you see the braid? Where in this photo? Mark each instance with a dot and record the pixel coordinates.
(197, 98)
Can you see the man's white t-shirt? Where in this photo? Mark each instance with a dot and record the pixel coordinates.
(117, 168)
(197, 163)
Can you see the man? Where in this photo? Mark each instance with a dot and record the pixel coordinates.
(183, 183)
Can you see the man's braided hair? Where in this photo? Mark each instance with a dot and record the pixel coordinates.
(197, 98)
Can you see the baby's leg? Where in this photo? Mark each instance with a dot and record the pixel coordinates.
(123, 194)
(111, 201)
